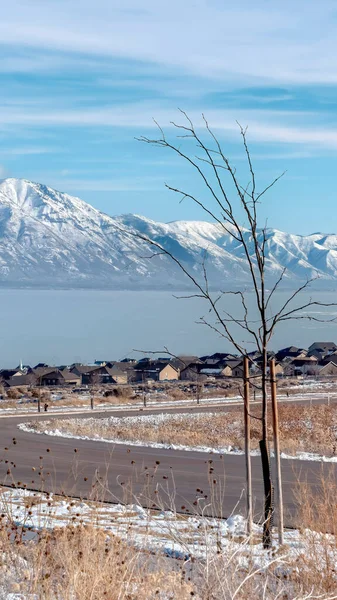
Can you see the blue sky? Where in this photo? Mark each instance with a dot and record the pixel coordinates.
(80, 80)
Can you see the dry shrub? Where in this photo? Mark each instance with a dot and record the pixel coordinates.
(83, 563)
(119, 392)
(177, 394)
(13, 394)
(317, 514)
(22, 390)
(308, 428)
(116, 395)
(302, 428)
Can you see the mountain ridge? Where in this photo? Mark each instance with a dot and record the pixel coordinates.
(51, 239)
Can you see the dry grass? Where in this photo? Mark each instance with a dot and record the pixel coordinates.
(317, 514)
(83, 562)
(302, 429)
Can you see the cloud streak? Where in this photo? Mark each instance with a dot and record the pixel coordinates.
(264, 126)
(274, 42)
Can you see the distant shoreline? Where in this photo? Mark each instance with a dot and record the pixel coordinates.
(137, 288)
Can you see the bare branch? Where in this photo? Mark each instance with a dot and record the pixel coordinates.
(270, 186)
(276, 285)
(292, 296)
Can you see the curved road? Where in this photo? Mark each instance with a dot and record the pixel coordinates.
(158, 477)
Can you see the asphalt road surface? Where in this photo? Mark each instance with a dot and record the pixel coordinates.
(189, 481)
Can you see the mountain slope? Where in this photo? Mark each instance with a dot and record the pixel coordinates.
(51, 239)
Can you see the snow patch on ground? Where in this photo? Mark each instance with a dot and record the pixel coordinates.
(175, 536)
(106, 406)
(186, 536)
(178, 535)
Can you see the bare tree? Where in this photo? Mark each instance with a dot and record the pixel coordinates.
(234, 207)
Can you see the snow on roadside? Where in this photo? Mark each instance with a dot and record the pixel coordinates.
(178, 536)
(31, 407)
(174, 535)
(157, 419)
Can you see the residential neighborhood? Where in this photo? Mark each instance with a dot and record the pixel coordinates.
(319, 360)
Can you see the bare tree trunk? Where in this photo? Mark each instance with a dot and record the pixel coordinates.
(92, 400)
(247, 448)
(277, 452)
(268, 489)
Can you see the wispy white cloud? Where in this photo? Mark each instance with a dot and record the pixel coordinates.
(127, 184)
(297, 128)
(272, 155)
(275, 42)
(29, 151)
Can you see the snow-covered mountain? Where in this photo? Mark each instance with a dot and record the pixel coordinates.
(51, 239)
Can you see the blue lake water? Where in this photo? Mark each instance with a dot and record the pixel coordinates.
(60, 327)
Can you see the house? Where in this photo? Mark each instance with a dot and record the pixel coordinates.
(279, 369)
(254, 367)
(256, 358)
(60, 378)
(321, 348)
(41, 370)
(155, 370)
(218, 358)
(217, 371)
(237, 368)
(191, 372)
(83, 371)
(319, 354)
(290, 352)
(70, 378)
(119, 377)
(182, 362)
(6, 374)
(19, 381)
(210, 362)
(112, 375)
(122, 370)
(328, 370)
(128, 360)
(196, 371)
(36, 373)
(302, 366)
(95, 375)
(329, 358)
(53, 377)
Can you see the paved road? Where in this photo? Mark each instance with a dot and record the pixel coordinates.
(158, 477)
